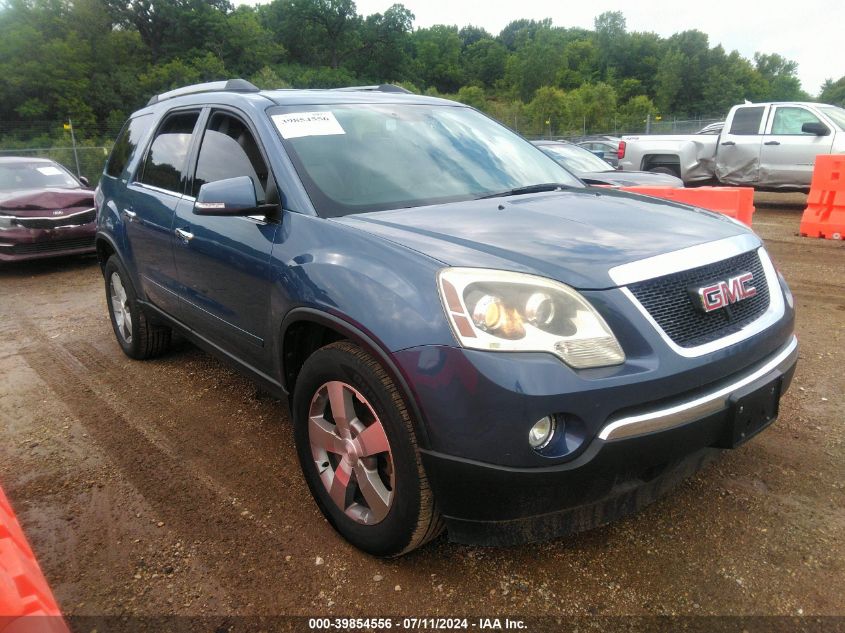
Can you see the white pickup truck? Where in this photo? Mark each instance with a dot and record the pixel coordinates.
(764, 145)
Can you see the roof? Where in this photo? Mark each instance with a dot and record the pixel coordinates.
(239, 90)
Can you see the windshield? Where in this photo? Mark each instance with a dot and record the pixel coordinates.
(368, 157)
(18, 176)
(837, 115)
(576, 158)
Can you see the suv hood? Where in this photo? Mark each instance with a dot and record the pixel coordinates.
(573, 236)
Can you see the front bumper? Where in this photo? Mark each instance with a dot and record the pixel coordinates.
(22, 244)
(637, 456)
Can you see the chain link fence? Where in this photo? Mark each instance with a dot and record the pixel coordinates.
(83, 150)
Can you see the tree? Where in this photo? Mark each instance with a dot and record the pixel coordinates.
(315, 32)
(782, 77)
(385, 52)
(548, 109)
(472, 96)
(484, 61)
(438, 57)
(611, 37)
(592, 107)
(833, 92)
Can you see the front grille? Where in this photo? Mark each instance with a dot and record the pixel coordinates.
(54, 245)
(51, 223)
(668, 301)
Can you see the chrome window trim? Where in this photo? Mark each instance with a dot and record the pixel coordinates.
(684, 259)
(696, 408)
(772, 315)
(142, 185)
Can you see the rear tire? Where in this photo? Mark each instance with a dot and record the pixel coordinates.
(137, 336)
(358, 452)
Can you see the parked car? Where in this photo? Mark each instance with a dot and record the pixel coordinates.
(595, 171)
(763, 145)
(45, 211)
(606, 147)
(467, 336)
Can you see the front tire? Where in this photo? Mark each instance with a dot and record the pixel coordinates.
(137, 336)
(358, 452)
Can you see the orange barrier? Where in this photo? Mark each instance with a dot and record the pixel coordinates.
(23, 590)
(736, 202)
(825, 212)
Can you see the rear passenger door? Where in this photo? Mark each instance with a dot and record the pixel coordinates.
(152, 198)
(738, 153)
(788, 154)
(224, 266)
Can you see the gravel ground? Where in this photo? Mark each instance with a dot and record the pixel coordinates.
(172, 486)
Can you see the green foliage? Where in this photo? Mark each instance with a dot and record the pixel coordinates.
(472, 96)
(833, 92)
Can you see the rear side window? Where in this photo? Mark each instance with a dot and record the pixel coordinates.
(164, 166)
(747, 120)
(788, 120)
(229, 150)
(131, 134)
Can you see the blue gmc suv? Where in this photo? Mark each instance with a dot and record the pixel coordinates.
(469, 337)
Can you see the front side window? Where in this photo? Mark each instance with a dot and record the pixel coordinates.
(747, 120)
(133, 133)
(229, 150)
(788, 120)
(372, 157)
(165, 162)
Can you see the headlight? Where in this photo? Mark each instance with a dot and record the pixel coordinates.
(507, 311)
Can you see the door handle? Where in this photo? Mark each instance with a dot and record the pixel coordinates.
(728, 143)
(185, 236)
(130, 215)
(772, 143)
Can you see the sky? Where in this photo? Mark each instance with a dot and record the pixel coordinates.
(809, 32)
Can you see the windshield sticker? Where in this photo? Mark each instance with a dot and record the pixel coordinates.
(50, 171)
(298, 124)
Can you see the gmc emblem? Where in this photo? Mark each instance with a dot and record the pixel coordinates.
(721, 294)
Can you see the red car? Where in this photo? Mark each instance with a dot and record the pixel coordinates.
(45, 211)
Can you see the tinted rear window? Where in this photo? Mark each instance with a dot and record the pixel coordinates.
(747, 120)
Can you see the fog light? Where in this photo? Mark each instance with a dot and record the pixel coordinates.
(541, 433)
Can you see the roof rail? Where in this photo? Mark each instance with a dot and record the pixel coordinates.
(231, 85)
(378, 88)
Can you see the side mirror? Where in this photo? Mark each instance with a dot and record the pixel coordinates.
(231, 196)
(83, 180)
(813, 127)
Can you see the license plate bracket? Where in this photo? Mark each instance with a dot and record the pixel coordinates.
(751, 411)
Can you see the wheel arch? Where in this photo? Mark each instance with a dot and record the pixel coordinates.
(322, 328)
(105, 248)
(651, 161)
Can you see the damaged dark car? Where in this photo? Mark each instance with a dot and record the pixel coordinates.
(45, 211)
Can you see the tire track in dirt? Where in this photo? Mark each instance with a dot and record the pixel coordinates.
(161, 476)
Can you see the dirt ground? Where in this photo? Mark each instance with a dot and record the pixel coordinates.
(172, 486)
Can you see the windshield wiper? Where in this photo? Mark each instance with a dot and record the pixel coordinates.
(546, 186)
